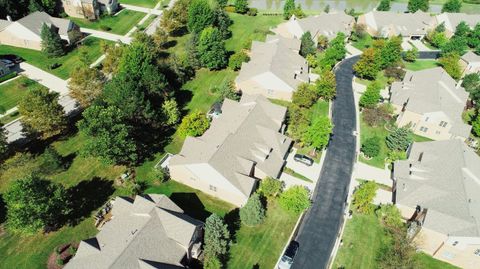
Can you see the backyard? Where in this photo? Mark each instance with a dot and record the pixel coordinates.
(90, 46)
(118, 24)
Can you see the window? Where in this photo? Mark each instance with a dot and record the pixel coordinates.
(443, 123)
(455, 243)
(477, 252)
(423, 129)
(213, 188)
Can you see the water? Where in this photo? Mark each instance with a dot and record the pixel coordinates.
(358, 5)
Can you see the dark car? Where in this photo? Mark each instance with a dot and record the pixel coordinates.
(11, 57)
(303, 159)
(287, 259)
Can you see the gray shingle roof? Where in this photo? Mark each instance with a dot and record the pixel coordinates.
(149, 231)
(34, 22)
(405, 24)
(327, 24)
(4, 23)
(432, 90)
(244, 135)
(471, 57)
(451, 20)
(444, 177)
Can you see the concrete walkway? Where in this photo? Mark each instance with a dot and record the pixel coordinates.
(352, 51)
(106, 36)
(420, 46)
(48, 80)
(156, 23)
(368, 172)
(291, 181)
(143, 9)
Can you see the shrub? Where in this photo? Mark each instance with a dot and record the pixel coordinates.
(395, 73)
(230, 9)
(60, 261)
(371, 147)
(389, 215)
(371, 96)
(296, 199)
(236, 60)
(363, 196)
(411, 55)
(194, 124)
(252, 11)
(305, 96)
(399, 139)
(449, 62)
(54, 66)
(270, 187)
(253, 212)
(8, 76)
(395, 155)
(52, 161)
(378, 115)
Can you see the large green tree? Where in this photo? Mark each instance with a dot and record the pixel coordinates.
(305, 95)
(41, 112)
(194, 124)
(270, 187)
(216, 238)
(384, 5)
(318, 133)
(371, 96)
(400, 139)
(415, 5)
(453, 6)
(109, 137)
(450, 62)
(86, 84)
(200, 15)
(211, 49)
(51, 44)
(368, 66)
(16, 9)
(363, 196)
(391, 52)
(326, 85)
(34, 203)
(298, 121)
(253, 212)
(3, 143)
(288, 9)
(176, 18)
(307, 45)
(296, 199)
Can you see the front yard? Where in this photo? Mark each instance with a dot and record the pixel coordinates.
(91, 46)
(141, 3)
(421, 64)
(13, 91)
(119, 24)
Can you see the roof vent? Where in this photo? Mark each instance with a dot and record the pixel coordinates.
(420, 157)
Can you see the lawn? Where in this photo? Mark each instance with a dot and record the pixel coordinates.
(421, 64)
(147, 22)
(261, 246)
(381, 79)
(119, 24)
(140, 3)
(472, 7)
(13, 91)
(363, 43)
(91, 46)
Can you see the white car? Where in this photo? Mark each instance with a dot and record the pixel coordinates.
(287, 259)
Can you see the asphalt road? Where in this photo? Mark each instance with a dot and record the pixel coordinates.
(320, 227)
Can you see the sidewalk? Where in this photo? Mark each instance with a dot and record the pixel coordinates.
(153, 11)
(46, 79)
(106, 36)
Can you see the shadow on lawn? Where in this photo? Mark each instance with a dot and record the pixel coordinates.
(191, 204)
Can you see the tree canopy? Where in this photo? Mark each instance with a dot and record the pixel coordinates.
(363, 196)
(253, 212)
(415, 5)
(295, 199)
(241, 6)
(211, 49)
(288, 9)
(216, 238)
(200, 15)
(384, 5)
(305, 95)
(450, 62)
(194, 124)
(51, 43)
(318, 133)
(452, 6)
(86, 84)
(371, 96)
(367, 66)
(326, 85)
(399, 139)
(270, 187)
(307, 45)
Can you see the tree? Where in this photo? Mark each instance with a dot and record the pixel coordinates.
(3, 143)
(193, 56)
(270, 187)
(476, 126)
(288, 9)
(298, 12)
(305, 96)
(384, 5)
(307, 45)
(171, 112)
(222, 3)
(222, 22)
(200, 15)
(411, 55)
(253, 212)
(175, 19)
(113, 54)
(438, 39)
(371, 147)
(415, 5)
(298, 121)
(236, 60)
(322, 42)
(211, 49)
(400, 139)
(194, 124)
(450, 62)
(86, 84)
(401, 253)
(17, 9)
(216, 238)
(109, 138)
(391, 52)
(52, 161)
(34, 203)
(363, 196)
(212, 263)
(378, 115)
(452, 6)
(241, 6)
(389, 215)
(42, 113)
(51, 42)
(318, 133)
(462, 29)
(327, 85)
(367, 66)
(295, 199)
(371, 96)
(471, 83)
(227, 90)
(457, 44)
(160, 37)
(473, 39)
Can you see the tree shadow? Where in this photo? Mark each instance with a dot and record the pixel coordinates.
(68, 160)
(191, 205)
(87, 196)
(170, 44)
(232, 219)
(3, 210)
(256, 266)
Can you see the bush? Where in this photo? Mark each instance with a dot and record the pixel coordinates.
(230, 9)
(105, 28)
(194, 124)
(296, 199)
(252, 11)
(52, 161)
(378, 115)
(236, 60)
(363, 196)
(8, 76)
(60, 261)
(371, 147)
(394, 156)
(389, 215)
(253, 212)
(449, 62)
(270, 187)
(411, 55)
(54, 66)
(371, 96)
(395, 73)
(399, 139)
(305, 96)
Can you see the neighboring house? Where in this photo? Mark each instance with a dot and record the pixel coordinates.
(438, 188)
(431, 103)
(148, 232)
(4, 70)
(243, 145)
(326, 24)
(275, 69)
(451, 20)
(389, 24)
(25, 33)
(89, 9)
(470, 63)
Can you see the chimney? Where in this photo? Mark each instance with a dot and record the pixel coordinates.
(9, 18)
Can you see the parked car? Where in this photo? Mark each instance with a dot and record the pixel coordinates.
(303, 159)
(11, 57)
(287, 259)
(8, 63)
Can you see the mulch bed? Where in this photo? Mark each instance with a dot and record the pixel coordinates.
(64, 255)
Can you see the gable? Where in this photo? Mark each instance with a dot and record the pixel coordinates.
(21, 32)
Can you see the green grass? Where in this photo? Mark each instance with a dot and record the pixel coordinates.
(363, 43)
(13, 91)
(140, 3)
(319, 109)
(248, 28)
(119, 24)
(293, 173)
(68, 62)
(426, 261)
(421, 64)
(473, 7)
(147, 22)
(262, 245)
(10, 117)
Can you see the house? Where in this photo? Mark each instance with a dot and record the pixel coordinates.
(452, 20)
(326, 24)
(275, 69)
(243, 145)
(438, 188)
(148, 232)
(4, 69)
(470, 62)
(25, 33)
(431, 103)
(89, 9)
(388, 24)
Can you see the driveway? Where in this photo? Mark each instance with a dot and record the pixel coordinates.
(311, 172)
(320, 228)
(48, 80)
(368, 172)
(420, 46)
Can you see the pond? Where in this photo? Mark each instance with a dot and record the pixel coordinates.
(358, 5)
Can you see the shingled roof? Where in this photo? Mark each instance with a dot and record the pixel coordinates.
(405, 24)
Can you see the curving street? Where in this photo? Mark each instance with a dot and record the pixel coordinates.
(320, 227)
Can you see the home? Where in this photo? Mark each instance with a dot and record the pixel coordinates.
(452, 20)
(26, 32)
(275, 69)
(437, 189)
(470, 63)
(243, 145)
(89, 9)
(148, 232)
(431, 103)
(388, 24)
(325, 24)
